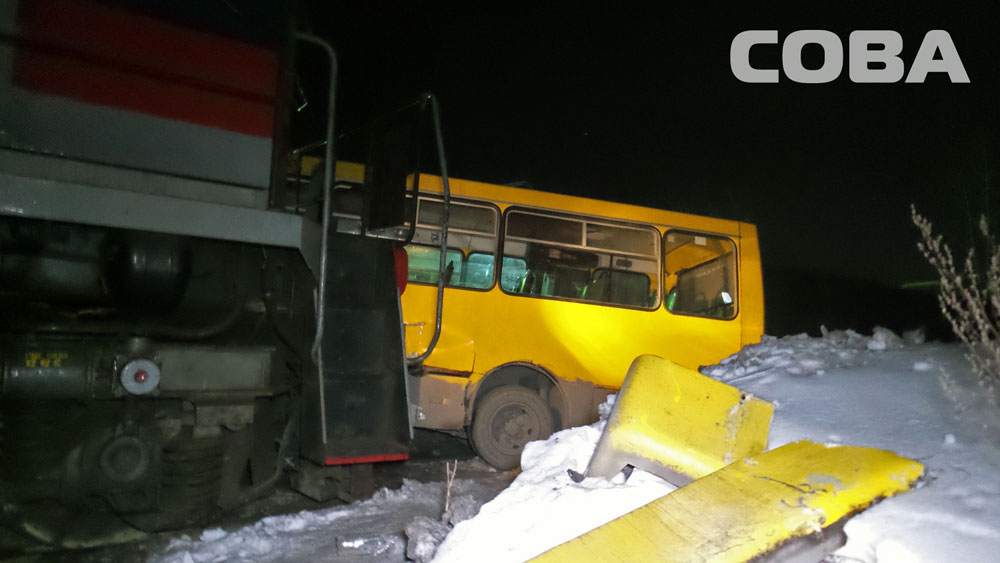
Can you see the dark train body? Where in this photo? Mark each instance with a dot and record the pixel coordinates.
(177, 320)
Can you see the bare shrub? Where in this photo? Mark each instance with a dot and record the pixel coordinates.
(969, 297)
(449, 474)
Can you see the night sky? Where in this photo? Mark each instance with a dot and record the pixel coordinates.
(640, 106)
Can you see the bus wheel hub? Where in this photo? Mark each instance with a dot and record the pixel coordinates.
(516, 427)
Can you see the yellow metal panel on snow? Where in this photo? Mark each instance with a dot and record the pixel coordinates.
(749, 508)
(679, 424)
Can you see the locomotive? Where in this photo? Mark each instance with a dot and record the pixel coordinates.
(186, 313)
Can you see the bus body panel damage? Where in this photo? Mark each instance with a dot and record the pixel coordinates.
(679, 424)
(783, 504)
(787, 504)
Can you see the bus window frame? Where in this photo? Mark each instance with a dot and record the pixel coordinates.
(613, 271)
(497, 214)
(736, 260)
(438, 249)
(584, 219)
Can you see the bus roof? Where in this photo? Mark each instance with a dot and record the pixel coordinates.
(506, 196)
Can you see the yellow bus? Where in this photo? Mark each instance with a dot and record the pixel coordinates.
(550, 297)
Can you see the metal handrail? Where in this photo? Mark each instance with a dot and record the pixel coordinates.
(444, 233)
(317, 354)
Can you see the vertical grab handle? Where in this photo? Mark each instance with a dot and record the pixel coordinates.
(317, 354)
(446, 209)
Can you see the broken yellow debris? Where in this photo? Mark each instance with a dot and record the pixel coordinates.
(750, 508)
(678, 424)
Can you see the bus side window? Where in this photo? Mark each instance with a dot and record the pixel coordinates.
(580, 258)
(702, 272)
(620, 287)
(424, 262)
(478, 271)
(472, 243)
(513, 273)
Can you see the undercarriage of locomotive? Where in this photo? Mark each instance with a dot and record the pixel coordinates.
(157, 375)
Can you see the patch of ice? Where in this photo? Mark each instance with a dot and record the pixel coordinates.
(915, 336)
(288, 523)
(424, 534)
(884, 339)
(462, 508)
(214, 534)
(604, 409)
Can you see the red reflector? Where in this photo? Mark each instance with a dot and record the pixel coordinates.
(402, 262)
(366, 459)
(140, 376)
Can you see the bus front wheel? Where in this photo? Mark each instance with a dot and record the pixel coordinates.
(505, 420)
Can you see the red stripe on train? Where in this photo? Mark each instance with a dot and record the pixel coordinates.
(108, 56)
(60, 76)
(366, 459)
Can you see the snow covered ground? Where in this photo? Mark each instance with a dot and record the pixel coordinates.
(919, 400)
(352, 533)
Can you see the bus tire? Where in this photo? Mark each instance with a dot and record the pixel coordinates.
(505, 420)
